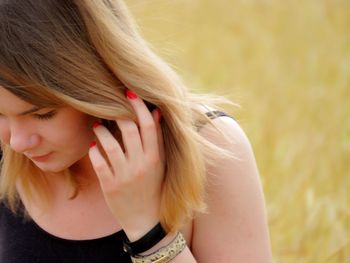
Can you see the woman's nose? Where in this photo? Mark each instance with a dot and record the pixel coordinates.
(22, 141)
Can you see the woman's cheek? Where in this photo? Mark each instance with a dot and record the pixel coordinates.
(77, 135)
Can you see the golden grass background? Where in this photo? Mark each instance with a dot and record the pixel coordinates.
(287, 62)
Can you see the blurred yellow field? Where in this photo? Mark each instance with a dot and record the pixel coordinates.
(288, 64)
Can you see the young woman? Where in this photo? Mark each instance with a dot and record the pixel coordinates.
(107, 157)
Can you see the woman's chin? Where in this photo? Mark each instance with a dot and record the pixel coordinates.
(57, 165)
(51, 169)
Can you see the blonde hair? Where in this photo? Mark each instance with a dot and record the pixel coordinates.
(84, 54)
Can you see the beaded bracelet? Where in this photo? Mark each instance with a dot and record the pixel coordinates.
(164, 254)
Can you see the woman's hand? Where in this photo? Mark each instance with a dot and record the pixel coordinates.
(131, 180)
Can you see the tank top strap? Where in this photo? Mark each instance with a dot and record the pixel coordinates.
(216, 113)
(212, 115)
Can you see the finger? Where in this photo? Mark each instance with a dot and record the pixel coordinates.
(111, 147)
(147, 125)
(100, 166)
(131, 139)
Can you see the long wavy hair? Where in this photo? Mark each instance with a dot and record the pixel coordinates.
(84, 54)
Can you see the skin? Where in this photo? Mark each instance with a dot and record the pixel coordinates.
(32, 136)
(126, 194)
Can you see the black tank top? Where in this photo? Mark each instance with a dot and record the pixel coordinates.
(23, 241)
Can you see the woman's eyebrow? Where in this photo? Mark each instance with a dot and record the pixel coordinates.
(34, 109)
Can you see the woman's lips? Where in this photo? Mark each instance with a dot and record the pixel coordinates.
(41, 158)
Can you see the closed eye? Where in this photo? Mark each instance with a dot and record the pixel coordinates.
(46, 116)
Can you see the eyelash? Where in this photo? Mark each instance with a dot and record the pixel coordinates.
(46, 116)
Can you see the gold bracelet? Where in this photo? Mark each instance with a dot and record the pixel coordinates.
(164, 254)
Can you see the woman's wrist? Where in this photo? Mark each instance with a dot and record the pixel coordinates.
(165, 251)
(137, 229)
(155, 246)
(164, 242)
(146, 242)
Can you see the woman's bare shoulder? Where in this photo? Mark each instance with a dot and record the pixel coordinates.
(235, 227)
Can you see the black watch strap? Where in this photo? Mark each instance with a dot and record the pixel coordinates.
(156, 234)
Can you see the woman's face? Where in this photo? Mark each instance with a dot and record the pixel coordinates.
(53, 138)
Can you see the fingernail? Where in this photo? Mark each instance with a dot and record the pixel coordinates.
(96, 124)
(159, 112)
(130, 94)
(92, 144)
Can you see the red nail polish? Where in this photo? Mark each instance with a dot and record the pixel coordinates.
(130, 94)
(96, 124)
(92, 144)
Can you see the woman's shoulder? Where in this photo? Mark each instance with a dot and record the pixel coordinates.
(236, 221)
(231, 137)
(222, 120)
